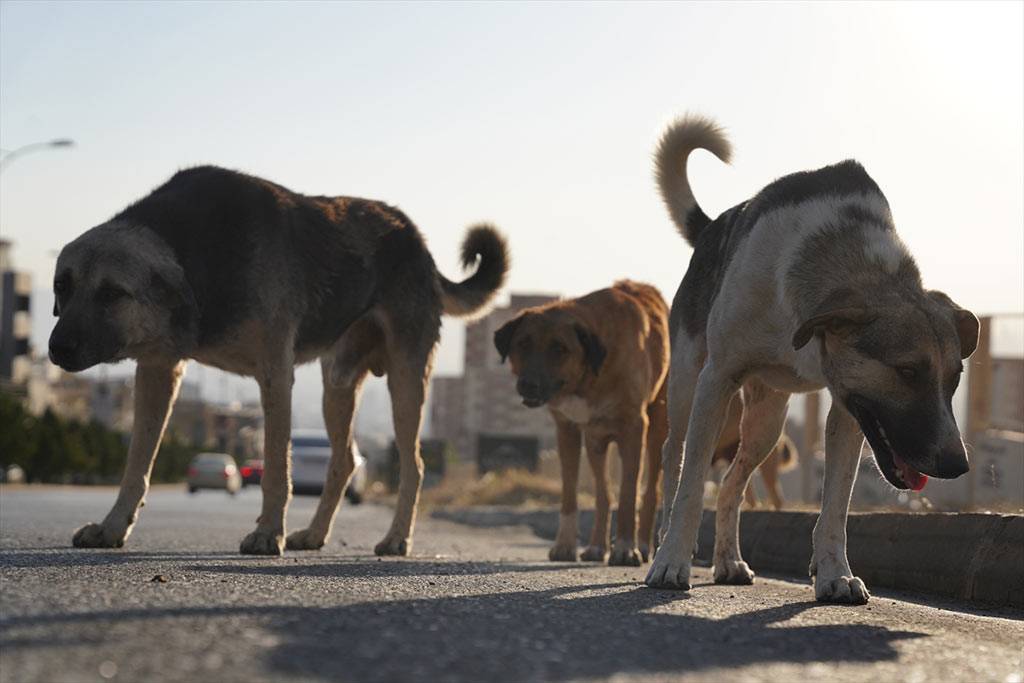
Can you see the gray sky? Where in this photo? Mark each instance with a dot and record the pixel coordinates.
(539, 117)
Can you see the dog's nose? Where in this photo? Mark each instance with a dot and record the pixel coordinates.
(528, 388)
(952, 465)
(62, 349)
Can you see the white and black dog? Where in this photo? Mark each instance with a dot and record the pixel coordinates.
(804, 286)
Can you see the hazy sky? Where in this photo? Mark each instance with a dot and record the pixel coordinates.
(539, 117)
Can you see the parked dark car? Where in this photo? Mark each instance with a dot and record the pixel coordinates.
(252, 472)
(311, 454)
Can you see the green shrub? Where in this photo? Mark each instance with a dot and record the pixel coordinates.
(53, 450)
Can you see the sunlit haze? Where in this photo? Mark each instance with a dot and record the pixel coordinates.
(541, 118)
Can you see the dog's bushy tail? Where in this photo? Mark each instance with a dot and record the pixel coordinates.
(684, 135)
(787, 454)
(472, 297)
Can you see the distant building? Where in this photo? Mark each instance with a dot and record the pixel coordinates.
(113, 402)
(446, 408)
(15, 323)
(47, 387)
(484, 400)
(234, 429)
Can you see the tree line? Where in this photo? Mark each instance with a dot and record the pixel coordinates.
(51, 449)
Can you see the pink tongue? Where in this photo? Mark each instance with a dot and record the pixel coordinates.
(911, 477)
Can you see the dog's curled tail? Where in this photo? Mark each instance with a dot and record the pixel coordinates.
(472, 297)
(787, 454)
(684, 135)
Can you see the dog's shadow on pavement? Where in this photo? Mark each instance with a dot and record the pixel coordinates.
(498, 628)
(366, 568)
(561, 634)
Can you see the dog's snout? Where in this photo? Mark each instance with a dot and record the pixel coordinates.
(951, 465)
(64, 349)
(528, 388)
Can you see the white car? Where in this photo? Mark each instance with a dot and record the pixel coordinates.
(213, 471)
(311, 455)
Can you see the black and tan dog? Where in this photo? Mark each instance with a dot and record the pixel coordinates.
(599, 363)
(250, 277)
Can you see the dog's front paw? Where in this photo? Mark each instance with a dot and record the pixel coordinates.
(394, 545)
(594, 553)
(263, 542)
(307, 539)
(563, 552)
(98, 536)
(669, 569)
(625, 557)
(847, 590)
(735, 572)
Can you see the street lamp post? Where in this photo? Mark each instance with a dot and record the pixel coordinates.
(25, 149)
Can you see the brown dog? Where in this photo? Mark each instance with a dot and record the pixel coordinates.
(599, 363)
(782, 458)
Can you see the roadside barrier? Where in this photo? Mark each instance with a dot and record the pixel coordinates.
(966, 556)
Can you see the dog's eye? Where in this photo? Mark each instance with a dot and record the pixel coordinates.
(110, 293)
(908, 372)
(61, 287)
(558, 349)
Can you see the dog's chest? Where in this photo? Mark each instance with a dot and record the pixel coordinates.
(240, 353)
(574, 409)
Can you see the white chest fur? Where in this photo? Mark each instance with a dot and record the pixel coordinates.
(574, 409)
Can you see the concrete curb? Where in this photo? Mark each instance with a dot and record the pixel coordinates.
(966, 556)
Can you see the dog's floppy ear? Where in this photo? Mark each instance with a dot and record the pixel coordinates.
(170, 290)
(967, 325)
(593, 350)
(841, 310)
(503, 337)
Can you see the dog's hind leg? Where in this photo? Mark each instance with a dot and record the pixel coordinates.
(597, 454)
(833, 579)
(671, 566)
(764, 414)
(750, 496)
(156, 386)
(275, 378)
(407, 382)
(339, 404)
(770, 476)
(656, 431)
(684, 369)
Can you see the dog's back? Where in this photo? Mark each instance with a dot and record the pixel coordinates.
(766, 232)
(328, 259)
(626, 312)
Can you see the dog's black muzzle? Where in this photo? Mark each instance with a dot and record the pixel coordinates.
(906, 445)
(536, 393)
(64, 353)
(72, 351)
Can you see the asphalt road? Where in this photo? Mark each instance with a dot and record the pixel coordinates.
(470, 605)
